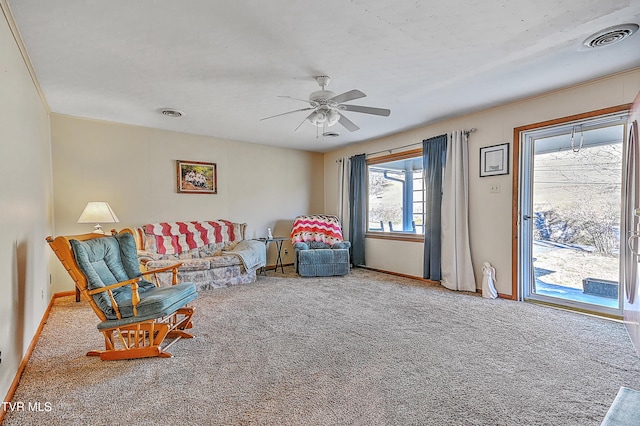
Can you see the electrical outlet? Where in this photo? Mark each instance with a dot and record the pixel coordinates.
(286, 251)
(0, 357)
(494, 188)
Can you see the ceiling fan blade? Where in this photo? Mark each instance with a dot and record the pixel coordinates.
(305, 119)
(348, 96)
(298, 99)
(285, 113)
(367, 110)
(348, 124)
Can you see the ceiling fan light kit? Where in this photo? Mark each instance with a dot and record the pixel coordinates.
(326, 107)
(322, 116)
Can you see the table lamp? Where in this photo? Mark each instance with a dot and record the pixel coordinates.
(98, 212)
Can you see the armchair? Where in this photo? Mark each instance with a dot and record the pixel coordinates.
(320, 249)
(136, 315)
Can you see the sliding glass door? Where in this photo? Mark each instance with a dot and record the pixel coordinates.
(570, 206)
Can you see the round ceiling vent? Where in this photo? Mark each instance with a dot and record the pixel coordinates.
(610, 35)
(330, 134)
(169, 112)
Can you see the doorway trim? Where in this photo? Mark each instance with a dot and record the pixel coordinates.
(515, 205)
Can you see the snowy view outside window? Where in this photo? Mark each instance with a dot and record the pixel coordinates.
(396, 196)
(576, 206)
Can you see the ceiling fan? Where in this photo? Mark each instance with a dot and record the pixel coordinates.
(326, 107)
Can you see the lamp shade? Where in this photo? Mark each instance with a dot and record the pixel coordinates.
(98, 212)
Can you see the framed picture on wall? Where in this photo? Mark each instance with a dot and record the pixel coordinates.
(195, 177)
(494, 160)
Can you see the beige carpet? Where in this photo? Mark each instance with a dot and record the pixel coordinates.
(366, 349)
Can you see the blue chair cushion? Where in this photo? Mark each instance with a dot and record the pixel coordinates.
(155, 303)
(301, 246)
(129, 254)
(110, 260)
(341, 245)
(317, 245)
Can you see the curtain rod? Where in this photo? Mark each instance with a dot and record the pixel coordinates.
(466, 132)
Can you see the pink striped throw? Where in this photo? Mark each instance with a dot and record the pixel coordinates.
(319, 227)
(178, 237)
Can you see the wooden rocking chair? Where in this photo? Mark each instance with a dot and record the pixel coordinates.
(136, 315)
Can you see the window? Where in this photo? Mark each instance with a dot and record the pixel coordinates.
(396, 193)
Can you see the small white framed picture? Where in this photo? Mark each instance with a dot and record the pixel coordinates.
(494, 160)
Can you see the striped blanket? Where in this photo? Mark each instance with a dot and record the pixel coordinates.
(177, 237)
(319, 227)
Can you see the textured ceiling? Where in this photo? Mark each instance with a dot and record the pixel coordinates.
(224, 63)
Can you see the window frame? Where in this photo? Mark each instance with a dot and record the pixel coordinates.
(396, 235)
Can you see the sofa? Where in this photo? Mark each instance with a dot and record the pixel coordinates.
(213, 254)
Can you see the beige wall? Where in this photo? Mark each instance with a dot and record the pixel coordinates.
(25, 210)
(490, 213)
(133, 168)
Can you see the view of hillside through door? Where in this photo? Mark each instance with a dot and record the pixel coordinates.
(570, 204)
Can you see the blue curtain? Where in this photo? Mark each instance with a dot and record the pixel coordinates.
(434, 152)
(357, 207)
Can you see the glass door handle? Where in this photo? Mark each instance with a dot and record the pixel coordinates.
(633, 235)
(526, 217)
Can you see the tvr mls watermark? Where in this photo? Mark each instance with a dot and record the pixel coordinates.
(31, 406)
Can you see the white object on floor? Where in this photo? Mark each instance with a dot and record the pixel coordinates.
(488, 281)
